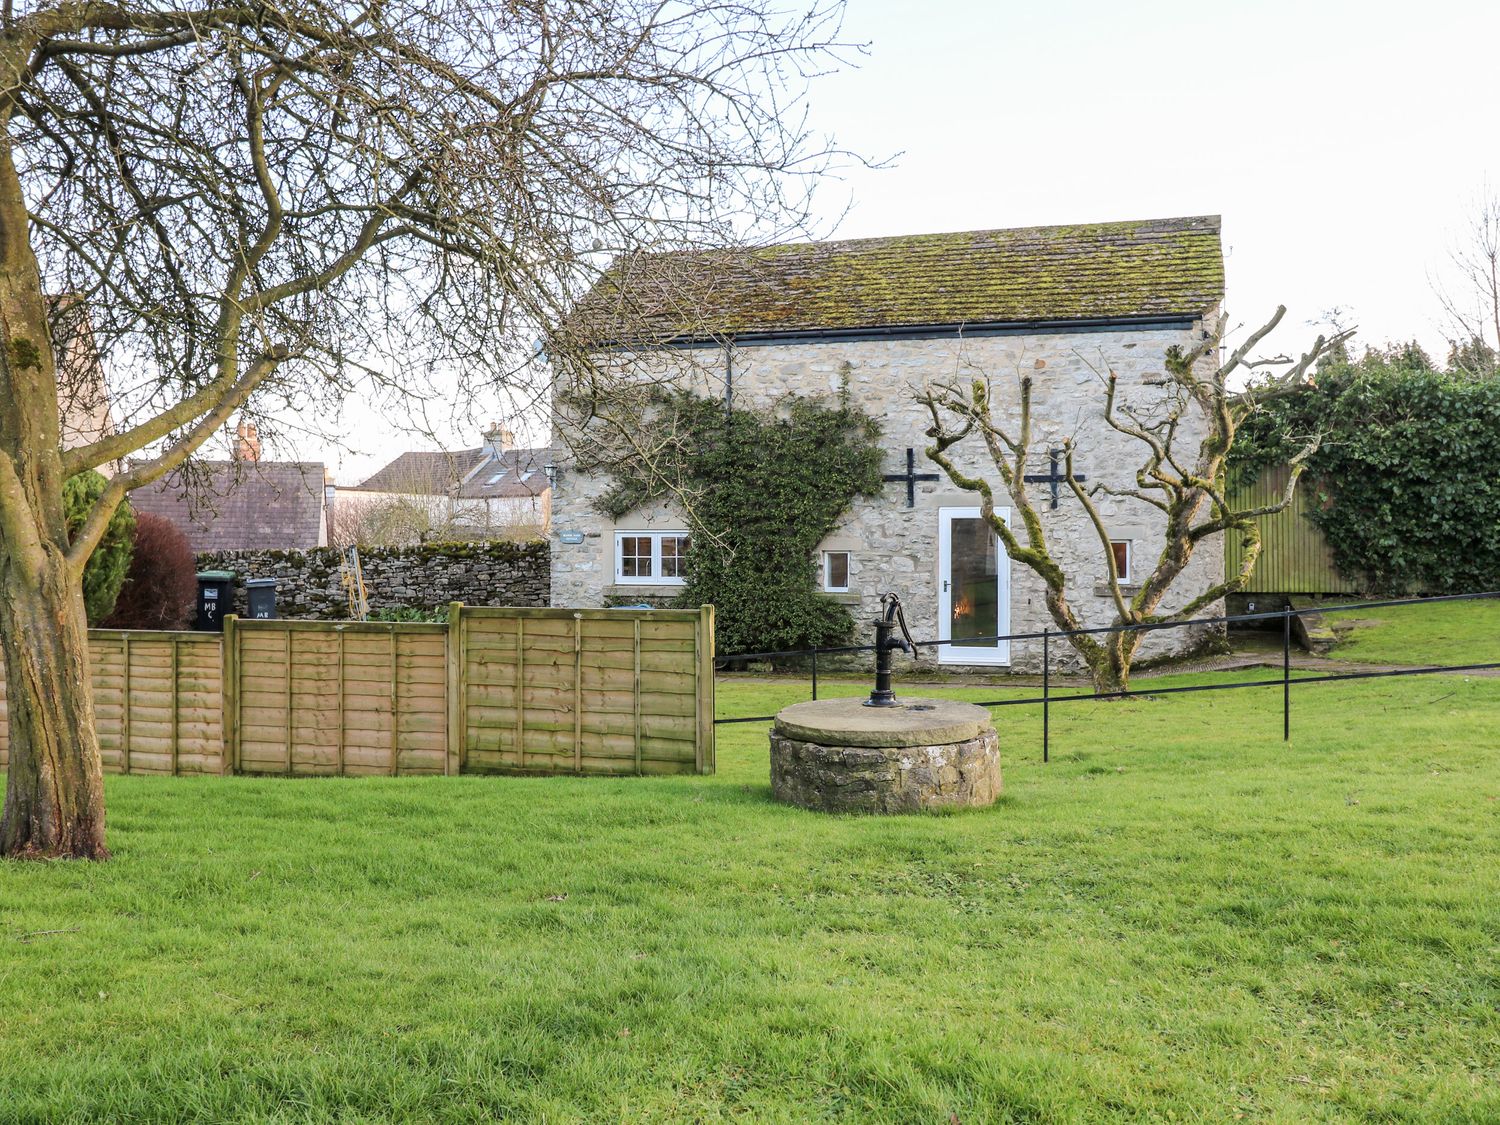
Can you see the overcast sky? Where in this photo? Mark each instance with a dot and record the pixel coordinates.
(1345, 144)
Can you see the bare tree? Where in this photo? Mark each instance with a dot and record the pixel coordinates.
(392, 521)
(403, 519)
(1472, 302)
(266, 203)
(1181, 475)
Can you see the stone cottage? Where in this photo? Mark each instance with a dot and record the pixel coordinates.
(496, 490)
(882, 316)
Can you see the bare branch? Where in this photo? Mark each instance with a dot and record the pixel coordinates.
(1185, 430)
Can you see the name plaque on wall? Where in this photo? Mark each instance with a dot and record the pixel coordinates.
(573, 537)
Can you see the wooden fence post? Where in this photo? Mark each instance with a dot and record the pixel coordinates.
(578, 692)
(287, 633)
(125, 704)
(342, 691)
(176, 699)
(229, 693)
(638, 695)
(706, 756)
(395, 706)
(520, 690)
(455, 688)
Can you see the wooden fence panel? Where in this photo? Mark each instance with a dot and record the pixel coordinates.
(351, 698)
(1295, 557)
(157, 702)
(494, 690)
(585, 691)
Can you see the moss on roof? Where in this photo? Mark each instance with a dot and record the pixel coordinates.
(1157, 267)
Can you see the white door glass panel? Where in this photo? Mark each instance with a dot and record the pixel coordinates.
(973, 589)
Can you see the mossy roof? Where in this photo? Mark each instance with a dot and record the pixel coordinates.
(1121, 270)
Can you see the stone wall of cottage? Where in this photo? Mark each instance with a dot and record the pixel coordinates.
(310, 584)
(894, 547)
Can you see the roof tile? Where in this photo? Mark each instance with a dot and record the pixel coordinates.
(468, 474)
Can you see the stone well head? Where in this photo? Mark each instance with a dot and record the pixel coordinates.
(839, 755)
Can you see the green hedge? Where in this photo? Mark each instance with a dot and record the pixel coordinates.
(1407, 476)
(110, 562)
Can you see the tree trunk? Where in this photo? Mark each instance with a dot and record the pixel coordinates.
(54, 793)
(1109, 663)
(1109, 677)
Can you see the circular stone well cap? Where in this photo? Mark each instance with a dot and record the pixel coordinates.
(911, 722)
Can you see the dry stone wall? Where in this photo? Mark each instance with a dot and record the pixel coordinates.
(310, 583)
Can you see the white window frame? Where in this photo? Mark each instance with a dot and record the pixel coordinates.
(655, 578)
(828, 586)
(1129, 545)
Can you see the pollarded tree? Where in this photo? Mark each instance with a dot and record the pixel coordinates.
(263, 201)
(1180, 476)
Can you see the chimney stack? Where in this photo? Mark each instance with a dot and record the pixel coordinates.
(247, 442)
(498, 439)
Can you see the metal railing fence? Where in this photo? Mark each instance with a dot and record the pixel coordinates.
(1047, 698)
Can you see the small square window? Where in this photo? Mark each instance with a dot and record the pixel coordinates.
(1121, 550)
(635, 556)
(657, 558)
(836, 571)
(674, 556)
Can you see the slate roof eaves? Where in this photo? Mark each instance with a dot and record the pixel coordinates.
(462, 475)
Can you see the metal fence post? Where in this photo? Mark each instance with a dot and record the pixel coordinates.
(1286, 674)
(1046, 692)
(815, 673)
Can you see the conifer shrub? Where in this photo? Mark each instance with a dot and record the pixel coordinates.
(108, 565)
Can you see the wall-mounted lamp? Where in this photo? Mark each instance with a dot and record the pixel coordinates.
(551, 470)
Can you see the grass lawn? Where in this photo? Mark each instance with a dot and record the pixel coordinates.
(1178, 918)
(1444, 633)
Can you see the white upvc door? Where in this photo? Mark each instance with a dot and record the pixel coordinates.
(973, 588)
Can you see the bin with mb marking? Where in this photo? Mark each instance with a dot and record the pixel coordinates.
(215, 599)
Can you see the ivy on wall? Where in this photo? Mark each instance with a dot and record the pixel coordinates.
(761, 491)
(1407, 480)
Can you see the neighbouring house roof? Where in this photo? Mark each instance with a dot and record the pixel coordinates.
(421, 474)
(1151, 269)
(240, 505)
(470, 474)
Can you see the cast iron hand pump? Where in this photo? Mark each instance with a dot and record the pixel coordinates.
(890, 617)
